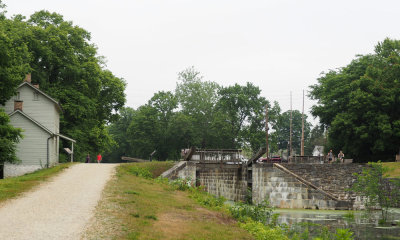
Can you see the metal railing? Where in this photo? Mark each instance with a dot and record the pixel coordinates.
(307, 159)
(217, 156)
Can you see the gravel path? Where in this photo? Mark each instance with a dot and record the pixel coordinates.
(58, 209)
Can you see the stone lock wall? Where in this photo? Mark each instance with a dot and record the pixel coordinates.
(280, 188)
(188, 172)
(229, 181)
(333, 178)
(284, 191)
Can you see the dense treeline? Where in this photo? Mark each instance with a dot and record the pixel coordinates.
(202, 114)
(65, 64)
(359, 104)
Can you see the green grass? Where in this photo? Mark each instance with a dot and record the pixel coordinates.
(13, 187)
(157, 211)
(394, 169)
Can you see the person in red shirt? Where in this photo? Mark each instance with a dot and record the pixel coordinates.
(99, 158)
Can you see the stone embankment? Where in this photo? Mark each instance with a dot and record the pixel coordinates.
(314, 186)
(333, 178)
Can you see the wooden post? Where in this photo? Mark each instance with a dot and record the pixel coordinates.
(302, 130)
(290, 133)
(266, 129)
(72, 154)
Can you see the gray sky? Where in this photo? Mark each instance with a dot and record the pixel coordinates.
(279, 45)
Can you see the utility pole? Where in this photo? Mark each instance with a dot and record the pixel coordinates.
(266, 128)
(302, 130)
(290, 133)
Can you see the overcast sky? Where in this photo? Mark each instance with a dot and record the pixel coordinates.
(279, 45)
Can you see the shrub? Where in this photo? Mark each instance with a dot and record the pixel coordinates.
(373, 186)
(263, 232)
(140, 172)
(343, 234)
(206, 199)
(181, 184)
(259, 213)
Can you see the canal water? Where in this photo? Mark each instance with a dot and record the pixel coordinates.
(363, 226)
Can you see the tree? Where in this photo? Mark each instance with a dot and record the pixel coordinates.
(14, 59)
(242, 105)
(118, 132)
(281, 134)
(14, 56)
(164, 103)
(255, 132)
(197, 100)
(316, 138)
(358, 104)
(67, 67)
(9, 136)
(144, 131)
(373, 185)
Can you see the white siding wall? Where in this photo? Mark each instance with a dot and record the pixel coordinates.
(43, 111)
(32, 149)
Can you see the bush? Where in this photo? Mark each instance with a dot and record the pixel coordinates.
(140, 172)
(181, 184)
(343, 234)
(259, 213)
(373, 186)
(263, 232)
(206, 199)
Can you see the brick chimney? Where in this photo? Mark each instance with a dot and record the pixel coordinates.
(36, 85)
(18, 105)
(28, 78)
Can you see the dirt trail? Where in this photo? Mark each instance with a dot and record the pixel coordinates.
(58, 209)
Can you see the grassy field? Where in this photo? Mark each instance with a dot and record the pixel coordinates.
(394, 167)
(135, 207)
(13, 187)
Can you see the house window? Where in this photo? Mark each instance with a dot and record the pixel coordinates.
(17, 96)
(35, 96)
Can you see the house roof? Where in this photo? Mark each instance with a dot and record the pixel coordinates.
(41, 126)
(66, 138)
(32, 120)
(41, 92)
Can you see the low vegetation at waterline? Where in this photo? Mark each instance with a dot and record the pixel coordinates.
(13, 187)
(377, 190)
(139, 205)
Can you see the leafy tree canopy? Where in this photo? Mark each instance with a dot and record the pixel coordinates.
(67, 66)
(9, 136)
(281, 134)
(65, 63)
(359, 104)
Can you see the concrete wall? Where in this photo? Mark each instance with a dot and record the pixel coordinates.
(229, 181)
(14, 170)
(188, 172)
(284, 191)
(281, 189)
(333, 178)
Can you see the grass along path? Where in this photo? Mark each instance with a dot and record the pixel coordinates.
(134, 207)
(14, 187)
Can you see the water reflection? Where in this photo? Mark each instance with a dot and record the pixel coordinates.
(363, 226)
